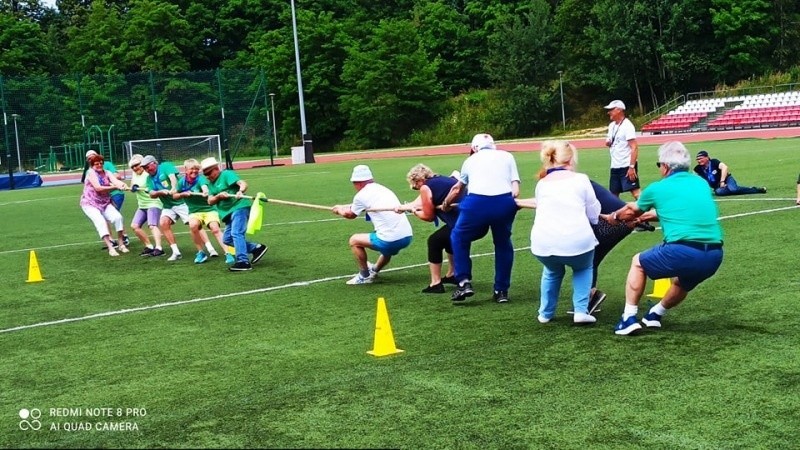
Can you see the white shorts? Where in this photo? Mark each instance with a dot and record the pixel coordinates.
(173, 213)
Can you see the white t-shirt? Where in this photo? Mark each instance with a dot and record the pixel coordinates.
(566, 206)
(620, 149)
(389, 226)
(489, 172)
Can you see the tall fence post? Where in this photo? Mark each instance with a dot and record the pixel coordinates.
(5, 132)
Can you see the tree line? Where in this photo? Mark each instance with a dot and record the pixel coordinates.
(375, 72)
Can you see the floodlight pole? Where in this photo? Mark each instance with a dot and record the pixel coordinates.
(274, 125)
(561, 88)
(307, 143)
(16, 135)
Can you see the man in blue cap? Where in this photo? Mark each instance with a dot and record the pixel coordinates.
(719, 177)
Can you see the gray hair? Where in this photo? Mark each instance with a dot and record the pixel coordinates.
(675, 155)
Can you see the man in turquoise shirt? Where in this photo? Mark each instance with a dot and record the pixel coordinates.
(692, 248)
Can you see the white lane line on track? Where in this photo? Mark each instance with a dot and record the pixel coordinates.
(284, 286)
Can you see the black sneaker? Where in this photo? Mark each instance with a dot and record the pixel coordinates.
(147, 252)
(240, 267)
(114, 243)
(435, 289)
(449, 280)
(462, 292)
(501, 296)
(595, 301)
(645, 226)
(258, 253)
(126, 241)
(157, 252)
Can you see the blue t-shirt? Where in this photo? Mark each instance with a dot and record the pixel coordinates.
(686, 209)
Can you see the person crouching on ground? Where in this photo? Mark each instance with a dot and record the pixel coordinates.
(719, 177)
(227, 193)
(392, 231)
(692, 248)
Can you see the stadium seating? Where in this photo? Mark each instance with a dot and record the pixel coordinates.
(728, 113)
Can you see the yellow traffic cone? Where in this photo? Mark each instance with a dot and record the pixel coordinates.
(660, 288)
(34, 274)
(384, 340)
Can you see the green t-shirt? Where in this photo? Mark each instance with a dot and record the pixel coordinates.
(111, 168)
(142, 197)
(196, 203)
(685, 208)
(227, 183)
(160, 181)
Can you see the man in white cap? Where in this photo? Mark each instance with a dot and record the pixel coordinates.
(392, 231)
(493, 181)
(621, 141)
(227, 193)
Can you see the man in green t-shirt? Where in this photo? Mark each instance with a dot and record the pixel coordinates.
(692, 248)
(227, 193)
(163, 183)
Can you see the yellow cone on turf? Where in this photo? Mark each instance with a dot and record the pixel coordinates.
(34, 274)
(660, 288)
(384, 340)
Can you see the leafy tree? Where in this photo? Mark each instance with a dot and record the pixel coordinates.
(390, 85)
(23, 47)
(96, 47)
(157, 37)
(744, 28)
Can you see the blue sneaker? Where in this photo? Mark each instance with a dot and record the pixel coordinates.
(200, 258)
(627, 326)
(229, 259)
(652, 320)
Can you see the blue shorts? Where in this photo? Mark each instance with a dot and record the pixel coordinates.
(388, 248)
(691, 263)
(618, 182)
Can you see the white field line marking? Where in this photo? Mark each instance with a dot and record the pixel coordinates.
(99, 242)
(755, 199)
(275, 288)
(17, 202)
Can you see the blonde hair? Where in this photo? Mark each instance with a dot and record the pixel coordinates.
(419, 172)
(557, 154)
(191, 163)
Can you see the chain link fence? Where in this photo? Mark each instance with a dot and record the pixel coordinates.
(49, 122)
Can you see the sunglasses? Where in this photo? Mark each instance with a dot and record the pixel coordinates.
(659, 164)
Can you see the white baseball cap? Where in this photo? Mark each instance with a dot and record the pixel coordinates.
(208, 162)
(90, 153)
(482, 141)
(615, 104)
(361, 173)
(149, 159)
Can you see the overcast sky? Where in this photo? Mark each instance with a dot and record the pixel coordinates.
(51, 3)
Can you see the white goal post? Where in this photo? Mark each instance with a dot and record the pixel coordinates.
(177, 149)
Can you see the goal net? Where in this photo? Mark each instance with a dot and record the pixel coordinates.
(177, 150)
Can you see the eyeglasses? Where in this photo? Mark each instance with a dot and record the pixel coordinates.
(208, 171)
(659, 164)
(136, 166)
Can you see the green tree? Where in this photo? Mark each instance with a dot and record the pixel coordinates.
(390, 85)
(23, 46)
(156, 37)
(744, 29)
(96, 47)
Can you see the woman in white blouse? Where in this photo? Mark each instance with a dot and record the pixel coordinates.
(566, 207)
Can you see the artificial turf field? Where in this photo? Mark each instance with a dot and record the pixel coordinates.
(132, 352)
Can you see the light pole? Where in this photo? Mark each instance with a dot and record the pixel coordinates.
(274, 126)
(16, 135)
(307, 144)
(561, 88)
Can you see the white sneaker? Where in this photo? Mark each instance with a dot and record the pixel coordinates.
(112, 252)
(542, 319)
(358, 279)
(372, 272)
(212, 253)
(122, 248)
(583, 318)
(175, 257)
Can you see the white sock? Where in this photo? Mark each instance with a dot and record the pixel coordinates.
(658, 309)
(175, 249)
(209, 247)
(149, 246)
(630, 310)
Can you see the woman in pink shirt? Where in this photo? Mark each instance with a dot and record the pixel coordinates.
(96, 203)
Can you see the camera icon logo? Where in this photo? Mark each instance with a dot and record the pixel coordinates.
(30, 419)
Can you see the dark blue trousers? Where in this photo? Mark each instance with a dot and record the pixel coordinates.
(479, 214)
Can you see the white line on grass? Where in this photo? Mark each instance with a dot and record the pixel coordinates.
(35, 200)
(275, 288)
(751, 199)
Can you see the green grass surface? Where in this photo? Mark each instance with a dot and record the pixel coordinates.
(277, 357)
